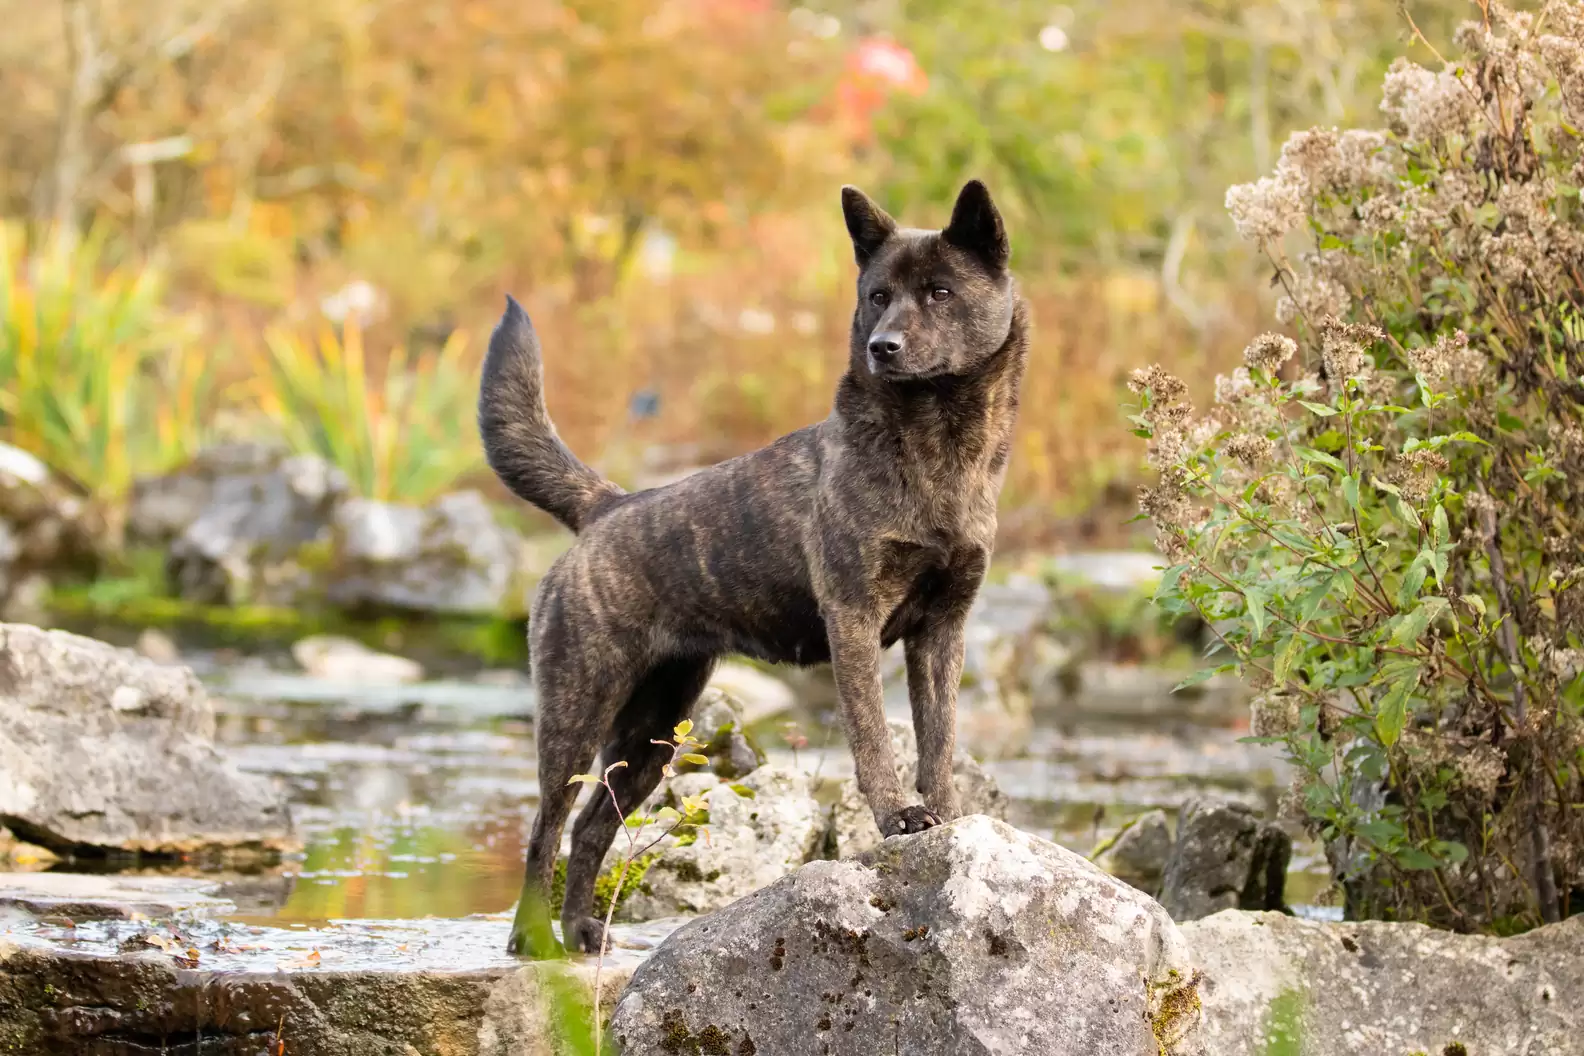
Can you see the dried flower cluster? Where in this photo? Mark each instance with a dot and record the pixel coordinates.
(1391, 546)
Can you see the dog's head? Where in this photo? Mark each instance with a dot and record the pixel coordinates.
(930, 303)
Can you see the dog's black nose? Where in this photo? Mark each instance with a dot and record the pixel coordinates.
(886, 346)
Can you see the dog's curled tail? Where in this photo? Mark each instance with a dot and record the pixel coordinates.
(520, 441)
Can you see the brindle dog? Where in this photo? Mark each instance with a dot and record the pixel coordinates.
(871, 527)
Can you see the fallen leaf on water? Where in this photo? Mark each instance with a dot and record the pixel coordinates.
(310, 961)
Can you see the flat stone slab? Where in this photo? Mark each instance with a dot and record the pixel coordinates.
(80, 896)
(353, 988)
(1273, 983)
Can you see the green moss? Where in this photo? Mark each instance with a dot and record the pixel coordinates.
(1284, 1024)
(604, 884)
(1177, 1008)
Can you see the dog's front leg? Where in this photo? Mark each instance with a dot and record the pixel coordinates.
(855, 660)
(934, 670)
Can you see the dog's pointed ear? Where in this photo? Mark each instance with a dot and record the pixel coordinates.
(867, 223)
(976, 226)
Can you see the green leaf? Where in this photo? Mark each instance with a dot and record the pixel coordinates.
(1414, 859)
(1285, 658)
(742, 790)
(1475, 602)
(1168, 580)
(1318, 408)
(695, 759)
(684, 727)
(1309, 454)
(1392, 714)
(1413, 579)
(1411, 626)
(1350, 490)
(668, 814)
(1451, 850)
(1256, 610)
(1438, 522)
(1204, 674)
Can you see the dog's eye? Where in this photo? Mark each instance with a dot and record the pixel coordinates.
(939, 293)
(879, 298)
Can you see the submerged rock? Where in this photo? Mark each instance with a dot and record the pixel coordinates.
(1224, 857)
(449, 557)
(760, 829)
(1138, 854)
(852, 826)
(970, 938)
(1274, 983)
(79, 896)
(102, 750)
(263, 536)
(338, 659)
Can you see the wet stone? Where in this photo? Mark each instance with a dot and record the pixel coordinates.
(353, 988)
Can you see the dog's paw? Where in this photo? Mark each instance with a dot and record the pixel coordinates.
(586, 935)
(910, 820)
(534, 945)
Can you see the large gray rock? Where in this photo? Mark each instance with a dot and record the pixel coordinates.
(1224, 857)
(103, 750)
(1138, 854)
(852, 826)
(970, 938)
(161, 508)
(751, 843)
(48, 530)
(1274, 983)
(263, 538)
(452, 556)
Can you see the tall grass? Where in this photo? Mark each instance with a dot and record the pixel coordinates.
(97, 377)
(401, 432)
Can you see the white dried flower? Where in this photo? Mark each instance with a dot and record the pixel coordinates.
(1266, 209)
(1268, 352)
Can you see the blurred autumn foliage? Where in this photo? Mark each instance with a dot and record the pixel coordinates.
(657, 179)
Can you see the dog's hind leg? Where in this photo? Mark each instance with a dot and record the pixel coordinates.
(663, 698)
(569, 734)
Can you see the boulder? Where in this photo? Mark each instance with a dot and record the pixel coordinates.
(339, 659)
(452, 556)
(161, 508)
(1224, 857)
(1137, 855)
(263, 537)
(102, 750)
(48, 530)
(718, 722)
(753, 840)
(852, 827)
(969, 938)
(1274, 983)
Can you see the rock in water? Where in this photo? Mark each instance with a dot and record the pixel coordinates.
(853, 829)
(1224, 857)
(260, 536)
(1274, 983)
(752, 842)
(101, 749)
(339, 659)
(971, 938)
(448, 557)
(1138, 854)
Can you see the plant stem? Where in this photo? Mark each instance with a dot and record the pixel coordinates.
(1539, 835)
